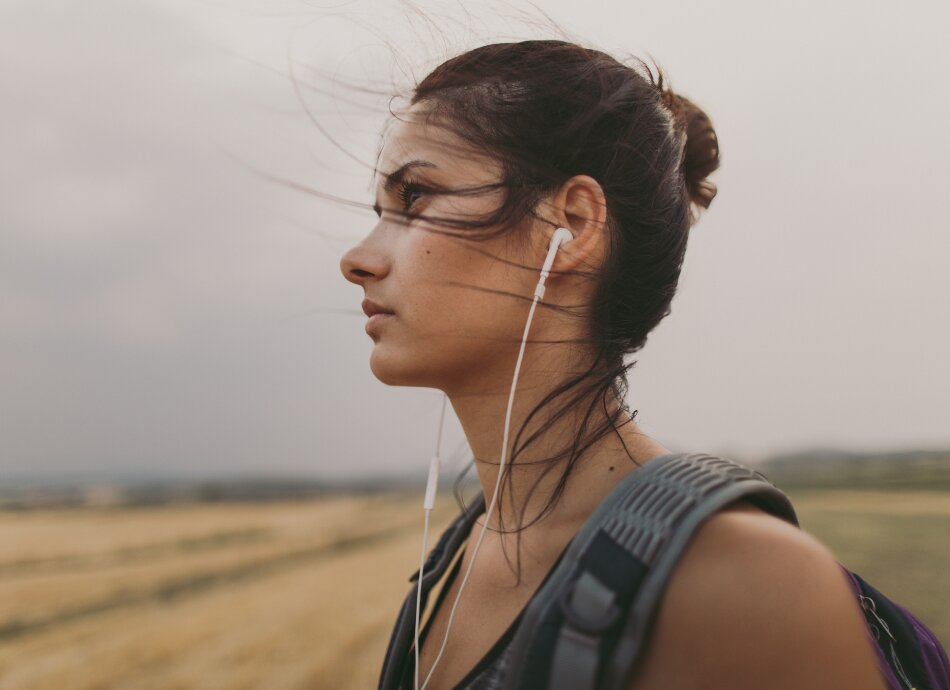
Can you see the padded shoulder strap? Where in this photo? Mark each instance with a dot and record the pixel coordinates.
(586, 627)
(438, 560)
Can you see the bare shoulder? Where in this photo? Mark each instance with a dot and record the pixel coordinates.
(757, 603)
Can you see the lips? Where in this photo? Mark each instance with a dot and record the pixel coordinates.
(370, 307)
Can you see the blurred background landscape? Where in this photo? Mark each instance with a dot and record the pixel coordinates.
(202, 485)
(296, 585)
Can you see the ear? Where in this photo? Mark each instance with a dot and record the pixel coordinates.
(581, 207)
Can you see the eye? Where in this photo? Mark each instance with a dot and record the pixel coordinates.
(409, 193)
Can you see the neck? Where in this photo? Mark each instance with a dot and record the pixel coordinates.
(536, 469)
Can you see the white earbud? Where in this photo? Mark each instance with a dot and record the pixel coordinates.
(561, 236)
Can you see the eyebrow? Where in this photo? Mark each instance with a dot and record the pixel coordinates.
(394, 178)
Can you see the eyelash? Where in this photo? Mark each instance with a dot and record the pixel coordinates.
(405, 189)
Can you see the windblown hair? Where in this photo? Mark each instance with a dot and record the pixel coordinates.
(548, 110)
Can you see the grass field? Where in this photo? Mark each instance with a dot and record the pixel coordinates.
(302, 595)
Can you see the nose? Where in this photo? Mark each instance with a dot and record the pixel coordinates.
(363, 262)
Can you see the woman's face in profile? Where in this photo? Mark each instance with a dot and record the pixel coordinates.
(444, 332)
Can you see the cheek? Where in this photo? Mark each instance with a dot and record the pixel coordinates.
(423, 288)
(456, 288)
(436, 273)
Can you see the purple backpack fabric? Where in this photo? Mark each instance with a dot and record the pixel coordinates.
(909, 654)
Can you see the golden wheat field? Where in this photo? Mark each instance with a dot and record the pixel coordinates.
(301, 595)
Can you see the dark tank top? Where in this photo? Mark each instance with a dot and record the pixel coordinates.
(489, 672)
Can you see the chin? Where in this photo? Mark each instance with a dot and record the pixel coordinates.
(408, 369)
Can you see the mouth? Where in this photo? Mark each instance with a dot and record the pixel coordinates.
(376, 320)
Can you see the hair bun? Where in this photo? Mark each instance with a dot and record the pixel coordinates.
(701, 150)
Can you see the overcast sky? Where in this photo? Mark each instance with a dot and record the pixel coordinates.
(163, 312)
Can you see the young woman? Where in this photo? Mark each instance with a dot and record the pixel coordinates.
(497, 149)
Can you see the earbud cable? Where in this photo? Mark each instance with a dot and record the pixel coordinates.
(431, 486)
(504, 449)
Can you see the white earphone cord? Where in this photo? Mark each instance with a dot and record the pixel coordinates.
(561, 235)
(431, 486)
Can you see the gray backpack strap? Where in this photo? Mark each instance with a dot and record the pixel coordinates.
(587, 626)
(437, 562)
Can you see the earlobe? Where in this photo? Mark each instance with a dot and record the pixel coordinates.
(579, 252)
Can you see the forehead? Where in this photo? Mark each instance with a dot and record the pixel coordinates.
(416, 135)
